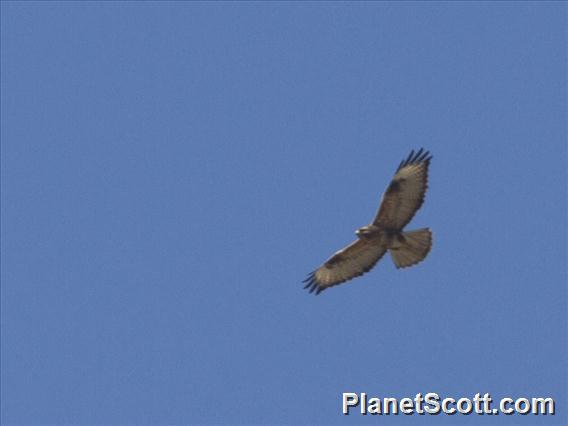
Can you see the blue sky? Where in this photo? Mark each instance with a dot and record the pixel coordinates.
(171, 171)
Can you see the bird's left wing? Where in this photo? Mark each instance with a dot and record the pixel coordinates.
(357, 258)
(405, 194)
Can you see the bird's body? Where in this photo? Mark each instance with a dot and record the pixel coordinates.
(403, 197)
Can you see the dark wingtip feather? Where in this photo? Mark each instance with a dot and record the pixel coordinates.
(312, 284)
(423, 154)
(309, 277)
(310, 280)
(413, 158)
(418, 154)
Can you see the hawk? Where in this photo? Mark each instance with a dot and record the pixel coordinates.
(400, 202)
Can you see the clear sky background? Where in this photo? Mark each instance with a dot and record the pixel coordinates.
(172, 171)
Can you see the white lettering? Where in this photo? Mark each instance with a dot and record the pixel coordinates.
(349, 400)
(543, 405)
(433, 405)
(390, 406)
(525, 402)
(363, 403)
(406, 406)
(374, 406)
(445, 403)
(418, 400)
(468, 406)
(502, 406)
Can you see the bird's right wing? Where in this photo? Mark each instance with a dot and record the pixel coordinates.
(357, 258)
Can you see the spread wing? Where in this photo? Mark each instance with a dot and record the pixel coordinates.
(405, 193)
(357, 258)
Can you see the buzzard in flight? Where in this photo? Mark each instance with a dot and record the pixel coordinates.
(401, 200)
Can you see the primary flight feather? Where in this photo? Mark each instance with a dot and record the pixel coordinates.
(400, 202)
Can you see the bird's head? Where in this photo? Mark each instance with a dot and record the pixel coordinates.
(365, 231)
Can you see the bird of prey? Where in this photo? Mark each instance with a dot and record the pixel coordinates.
(401, 200)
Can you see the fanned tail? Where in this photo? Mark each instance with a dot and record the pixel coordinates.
(410, 248)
